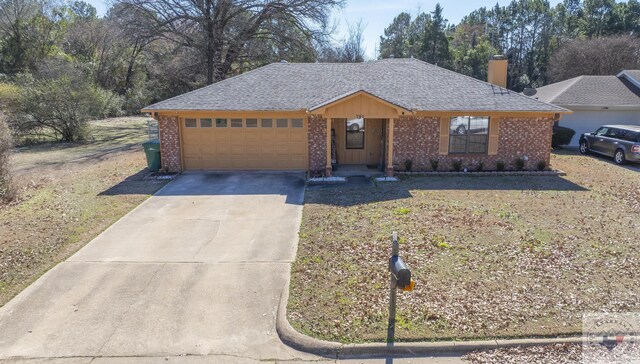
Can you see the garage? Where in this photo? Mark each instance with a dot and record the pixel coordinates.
(238, 143)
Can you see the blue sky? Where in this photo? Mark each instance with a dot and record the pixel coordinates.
(378, 14)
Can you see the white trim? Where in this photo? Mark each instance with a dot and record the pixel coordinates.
(629, 78)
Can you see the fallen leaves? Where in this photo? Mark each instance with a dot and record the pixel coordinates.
(492, 257)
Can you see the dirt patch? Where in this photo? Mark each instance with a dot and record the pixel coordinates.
(557, 354)
(69, 198)
(492, 256)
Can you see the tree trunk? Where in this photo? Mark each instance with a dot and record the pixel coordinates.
(132, 61)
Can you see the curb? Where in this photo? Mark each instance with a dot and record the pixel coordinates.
(329, 349)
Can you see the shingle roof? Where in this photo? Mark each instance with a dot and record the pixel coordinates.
(591, 91)
(408, 83)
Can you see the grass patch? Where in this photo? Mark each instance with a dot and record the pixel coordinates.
(492, 256)
(63, 204)
(401, 211)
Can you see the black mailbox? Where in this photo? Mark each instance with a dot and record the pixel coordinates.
(400, 270)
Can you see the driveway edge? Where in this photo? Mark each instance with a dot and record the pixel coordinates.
(335, 350)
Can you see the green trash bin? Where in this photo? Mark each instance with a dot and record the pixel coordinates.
(152, 151)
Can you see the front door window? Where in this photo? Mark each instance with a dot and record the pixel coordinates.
(355, 134)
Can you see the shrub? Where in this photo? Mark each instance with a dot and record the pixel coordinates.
(519, 163)
(408, 164)
(434, 164)
(500, 165)
(561, 136)
(457, 165)
(480, 166)
(7, 187)
(542, 165)
(60, 104)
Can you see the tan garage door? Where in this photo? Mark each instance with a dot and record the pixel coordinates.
(234, 143)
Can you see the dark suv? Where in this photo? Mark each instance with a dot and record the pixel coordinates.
(622, 142)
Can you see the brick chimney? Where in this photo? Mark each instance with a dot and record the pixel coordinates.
(498, 71)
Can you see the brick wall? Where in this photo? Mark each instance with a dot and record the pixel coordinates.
(417, 139)
(317, 146)
(169, 143)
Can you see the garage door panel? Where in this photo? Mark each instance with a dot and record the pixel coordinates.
(252, 138)
(283, 163)
(282, 137)
(298, 148)
(208, 151)
(244, 148)
(223, 150)
(267, 133)
(282, 149)
(237, 149)
(268, 163)
(298, 137)
(195, 163)
(268, 149)
(298, 163)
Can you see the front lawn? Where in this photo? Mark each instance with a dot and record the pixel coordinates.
(492, 256)
(69, 194)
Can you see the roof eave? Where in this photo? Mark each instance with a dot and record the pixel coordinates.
(592, 107)
(300, 110)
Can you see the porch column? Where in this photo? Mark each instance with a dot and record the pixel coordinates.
(389, 167)
(328, 171)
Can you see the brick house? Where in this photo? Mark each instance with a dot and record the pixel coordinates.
(315, 116)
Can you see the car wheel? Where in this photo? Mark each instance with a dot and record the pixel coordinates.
(461, 130)
(619, 157)
(584, 147)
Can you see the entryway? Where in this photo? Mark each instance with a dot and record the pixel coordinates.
(357, 146)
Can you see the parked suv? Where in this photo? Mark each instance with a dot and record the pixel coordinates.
(622, 142)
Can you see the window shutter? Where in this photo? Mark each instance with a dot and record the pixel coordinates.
(444, 135)
(494, 136)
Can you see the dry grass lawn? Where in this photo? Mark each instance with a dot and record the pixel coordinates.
(69, 194)
(492, 256)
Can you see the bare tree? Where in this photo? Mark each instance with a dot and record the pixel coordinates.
(598, 56)
(134, 33)
(353, 46)
(220, 29)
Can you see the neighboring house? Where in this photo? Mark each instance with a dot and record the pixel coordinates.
(595, 101)
(285, 116)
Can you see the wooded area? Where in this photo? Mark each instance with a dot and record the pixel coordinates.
(61, 64)
(544, 44)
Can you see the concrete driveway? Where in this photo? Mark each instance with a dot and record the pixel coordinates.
(194, 272)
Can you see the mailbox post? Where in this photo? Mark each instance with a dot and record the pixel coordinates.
(399, 278)
(393, 284)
